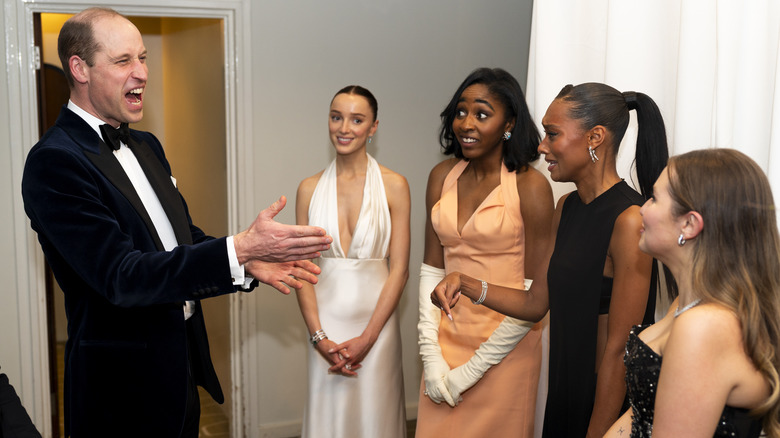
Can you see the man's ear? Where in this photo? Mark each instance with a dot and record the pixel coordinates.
(79, 69)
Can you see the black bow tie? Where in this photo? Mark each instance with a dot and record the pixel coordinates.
(113, 136)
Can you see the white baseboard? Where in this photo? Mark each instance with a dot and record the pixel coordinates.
(290, 429)
(285, 429)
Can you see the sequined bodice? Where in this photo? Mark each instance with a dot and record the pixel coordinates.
(643, 366)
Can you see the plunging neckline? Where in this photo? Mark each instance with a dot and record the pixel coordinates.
(473, 213)
(459, 229)
(357, 222)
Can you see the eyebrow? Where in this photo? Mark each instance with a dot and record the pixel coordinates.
(124, 55)
(333, 111)
(482, 101)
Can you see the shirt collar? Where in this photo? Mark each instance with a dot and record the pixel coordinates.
(91, 120)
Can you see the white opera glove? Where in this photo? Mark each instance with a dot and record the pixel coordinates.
(492, 351)
(435, 368)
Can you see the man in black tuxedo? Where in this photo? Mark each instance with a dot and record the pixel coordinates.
(122, 246)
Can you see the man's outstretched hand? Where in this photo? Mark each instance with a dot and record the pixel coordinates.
(283, 275)
(270, 241)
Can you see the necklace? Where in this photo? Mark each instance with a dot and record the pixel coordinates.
(679, 311)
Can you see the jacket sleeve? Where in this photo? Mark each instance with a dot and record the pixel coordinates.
(94, 239)
(14, 421)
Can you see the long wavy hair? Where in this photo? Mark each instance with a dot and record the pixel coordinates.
(520, 149)
(736, 257)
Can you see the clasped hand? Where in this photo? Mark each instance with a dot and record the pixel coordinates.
(345, 358)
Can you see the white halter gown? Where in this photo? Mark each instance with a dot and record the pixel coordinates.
(372, 404)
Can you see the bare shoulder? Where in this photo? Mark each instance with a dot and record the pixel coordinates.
(705, 346)
(438, 174)
(626, 232)
(708, 332)
(307, 186)
(394, 181)
(396, 188)
(709, 323)
(441, 170)
(629, 220)
(531, 175)
(531, 183)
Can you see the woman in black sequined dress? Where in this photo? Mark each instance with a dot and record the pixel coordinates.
(710, 366)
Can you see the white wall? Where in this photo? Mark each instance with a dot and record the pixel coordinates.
(412, 54)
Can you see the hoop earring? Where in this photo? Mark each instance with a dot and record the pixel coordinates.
(592, 153)
(681, 240)
(507, 135)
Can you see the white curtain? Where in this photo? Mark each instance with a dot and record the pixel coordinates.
(710, 65)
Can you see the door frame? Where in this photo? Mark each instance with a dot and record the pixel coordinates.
(23, 126)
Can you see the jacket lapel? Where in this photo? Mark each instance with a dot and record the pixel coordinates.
(166, 192)
(107, 163)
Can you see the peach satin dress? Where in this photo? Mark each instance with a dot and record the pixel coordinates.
(490, 247)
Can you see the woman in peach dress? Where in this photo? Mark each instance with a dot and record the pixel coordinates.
(489, 214)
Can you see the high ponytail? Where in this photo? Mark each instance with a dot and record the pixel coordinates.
(652, 151)
(599, 104)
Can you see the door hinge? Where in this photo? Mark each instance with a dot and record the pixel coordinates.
(36, 58)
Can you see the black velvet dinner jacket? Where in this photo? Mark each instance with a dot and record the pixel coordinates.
(126, 358)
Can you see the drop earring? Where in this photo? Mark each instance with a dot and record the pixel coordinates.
(592, 153)
(369, 140)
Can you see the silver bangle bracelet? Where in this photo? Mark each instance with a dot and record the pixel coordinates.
(317, 337)
(483, 295)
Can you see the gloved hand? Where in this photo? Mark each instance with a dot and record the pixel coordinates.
(492, 351)
(435, 368)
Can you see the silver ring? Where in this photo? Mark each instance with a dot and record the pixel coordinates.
(348, 366)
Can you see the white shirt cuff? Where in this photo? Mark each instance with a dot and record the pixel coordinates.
(240, 277)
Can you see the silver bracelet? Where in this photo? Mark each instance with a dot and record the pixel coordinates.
(483, 295)
(317, 337)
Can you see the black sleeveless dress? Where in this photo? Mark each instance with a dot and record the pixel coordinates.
(575, 287)
(643, 366)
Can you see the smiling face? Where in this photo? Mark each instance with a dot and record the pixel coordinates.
(350, 123)
(115, 83)
(565, 143)
(480, 122)
(660, 228)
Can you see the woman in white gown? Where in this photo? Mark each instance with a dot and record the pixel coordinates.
(355, 375)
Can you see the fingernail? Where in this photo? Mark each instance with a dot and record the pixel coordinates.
(449, 316)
